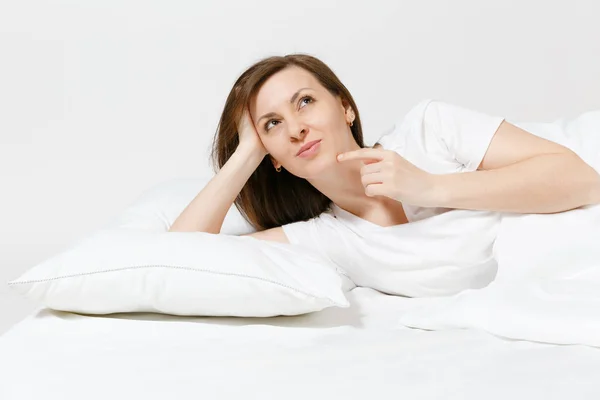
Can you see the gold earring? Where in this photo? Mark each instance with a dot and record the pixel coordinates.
(278, 169)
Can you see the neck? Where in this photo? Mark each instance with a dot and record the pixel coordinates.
(342, 184)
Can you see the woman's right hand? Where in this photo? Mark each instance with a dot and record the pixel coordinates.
(248, 137)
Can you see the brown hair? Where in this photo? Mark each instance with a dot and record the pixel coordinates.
(270, 198)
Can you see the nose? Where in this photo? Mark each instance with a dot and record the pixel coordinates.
(298, 130)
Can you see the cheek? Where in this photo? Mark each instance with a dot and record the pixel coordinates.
(273, 146)
(266, 142)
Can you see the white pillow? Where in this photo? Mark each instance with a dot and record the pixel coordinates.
(135, 265)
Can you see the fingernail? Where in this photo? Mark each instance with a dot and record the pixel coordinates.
(340, 156)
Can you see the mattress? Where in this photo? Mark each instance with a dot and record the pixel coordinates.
(354, 353)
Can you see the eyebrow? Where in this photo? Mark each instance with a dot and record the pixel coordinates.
(272, 114)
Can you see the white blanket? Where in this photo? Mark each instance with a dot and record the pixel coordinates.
(353, 353)
(547, 287)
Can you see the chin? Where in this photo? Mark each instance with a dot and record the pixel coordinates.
(317, 167)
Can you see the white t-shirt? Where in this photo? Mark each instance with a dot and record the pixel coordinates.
(440, 251)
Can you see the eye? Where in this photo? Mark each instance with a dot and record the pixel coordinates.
(266, 126)
(306, 97)
(268, 122)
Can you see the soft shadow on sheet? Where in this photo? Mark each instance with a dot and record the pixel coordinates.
(368, 307)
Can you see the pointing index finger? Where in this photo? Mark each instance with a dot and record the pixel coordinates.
(361, 154)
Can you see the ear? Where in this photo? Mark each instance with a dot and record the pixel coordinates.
(350, 116)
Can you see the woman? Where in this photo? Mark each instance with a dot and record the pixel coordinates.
(439, 157)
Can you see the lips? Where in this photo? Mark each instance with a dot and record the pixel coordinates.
(307, 146)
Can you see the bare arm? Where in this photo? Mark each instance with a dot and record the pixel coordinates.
(207, 211)
(523, 173)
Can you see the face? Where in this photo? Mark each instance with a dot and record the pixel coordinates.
(313, 114)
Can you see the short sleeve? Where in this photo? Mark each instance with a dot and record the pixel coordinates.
(309, 234)
(299, 233)
(320, 235)
(465, 133)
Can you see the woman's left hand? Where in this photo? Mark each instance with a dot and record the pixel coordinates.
(386, 173)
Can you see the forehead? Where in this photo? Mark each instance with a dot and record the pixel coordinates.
(277, 90)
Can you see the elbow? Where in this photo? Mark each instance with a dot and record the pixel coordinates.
(178, 227)
(587, 176)
(595, 191)
(592, 184)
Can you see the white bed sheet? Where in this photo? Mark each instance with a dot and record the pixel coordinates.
(354, 353)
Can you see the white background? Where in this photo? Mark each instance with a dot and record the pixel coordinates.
(99, 100)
